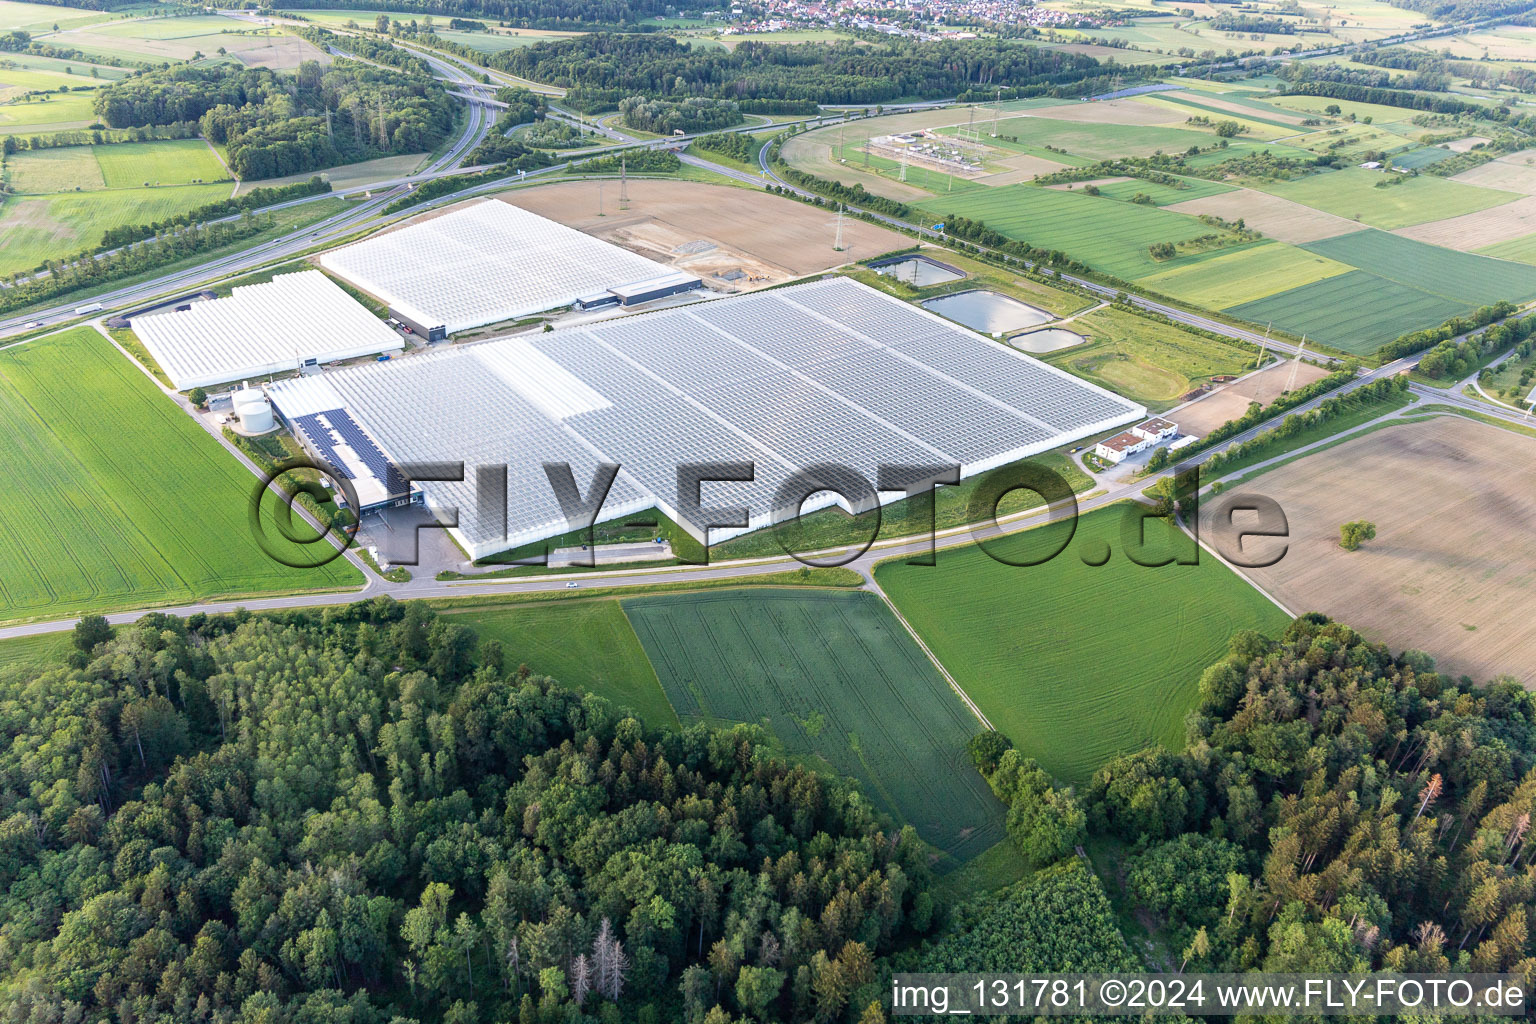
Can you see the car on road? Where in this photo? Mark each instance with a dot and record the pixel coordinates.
(572, 585)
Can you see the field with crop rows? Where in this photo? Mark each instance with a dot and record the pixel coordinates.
(37, 228)
(1401, 285)
(1464, 276)
(1075, 663)
(837, 679)
(586, 645)
(114, 497)
(1353, 194)
(1354, 312)
(169, 162)
(1162, 195)
(1522, 250)
(1243, 276)
(1108, 235)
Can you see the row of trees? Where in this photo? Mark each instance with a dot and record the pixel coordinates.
(1456, 359)
(1418, 341)
(363, 815)
(98, 137)
(1378, 391)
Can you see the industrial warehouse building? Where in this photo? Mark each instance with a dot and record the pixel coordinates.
(826, 372)
(486, 262)
(263, 328)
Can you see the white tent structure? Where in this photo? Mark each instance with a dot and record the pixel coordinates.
(482, 263)
(261, 329)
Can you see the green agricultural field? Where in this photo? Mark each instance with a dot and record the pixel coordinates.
(42, 17)
(70, 72)
(115, 498)
(1315, 105)
(1424, 156)
(1354, 312)
(1465, 277)
(1352, 194)
(489, 42)
(1243, 276)
(1076, 663)
(1522, 250)
(38, 228)
(168, 28)
(587, 645)
(1101, 141)
(1110, 236)
(835, 676)
(1145, 361)
(33, 653)
(54, 112)
(170, 162)
(1256, 124)
(15, 81)
(1161, 195)
(38, 172)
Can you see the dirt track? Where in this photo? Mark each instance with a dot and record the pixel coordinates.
(1451, 569)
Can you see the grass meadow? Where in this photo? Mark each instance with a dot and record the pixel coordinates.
(1143, 360)
(835, 676)
(114, 497)
(1353, 195)
(34, 228)
(41, 114)
(1072, 662)
(168, 162)
(587, 645)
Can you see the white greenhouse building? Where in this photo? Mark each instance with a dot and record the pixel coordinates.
(830, 372)
(259, 329)
(483, 263)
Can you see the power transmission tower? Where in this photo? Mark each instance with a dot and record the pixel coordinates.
(837, 243)
(600, 212)
(903, 175)
(1264, 346)
(1296, 365)
(623, 184)
(996, 108)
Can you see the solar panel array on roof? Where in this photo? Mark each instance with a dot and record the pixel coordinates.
(830, 372)
(261, 329)
(485, 262)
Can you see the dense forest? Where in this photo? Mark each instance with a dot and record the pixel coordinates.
(362, 815)
(602, 69)
(1336, 808)
(664, 117)
(275, 125)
